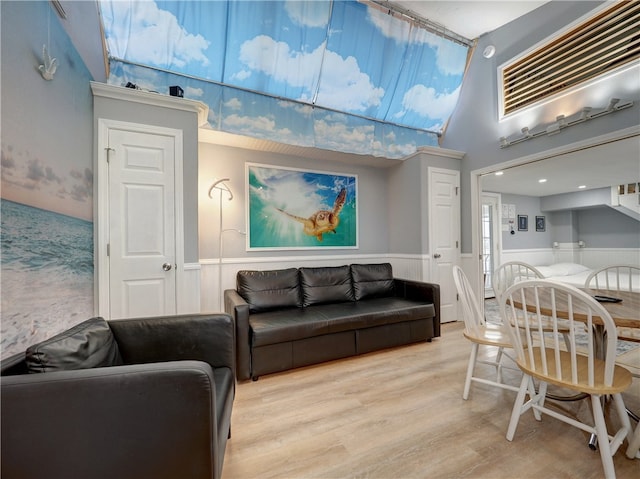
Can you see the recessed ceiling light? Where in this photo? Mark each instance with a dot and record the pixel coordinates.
(499, 173)
(489, 51)
(582, 187)
(542, 180)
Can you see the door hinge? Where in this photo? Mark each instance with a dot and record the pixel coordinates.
(108, 249)
(457, 190)
(457, 297)
(456, 244)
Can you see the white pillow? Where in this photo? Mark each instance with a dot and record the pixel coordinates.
(545, 271)
(564, 269)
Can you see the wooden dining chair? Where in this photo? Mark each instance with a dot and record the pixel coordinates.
(513, 272)
(480, 333)
(633, 450)
(617, 277)
(510, 273)
(548, 363)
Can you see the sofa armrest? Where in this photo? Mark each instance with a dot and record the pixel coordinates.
(135, 421)
(235, 305)
(202, 337)
(421, 291)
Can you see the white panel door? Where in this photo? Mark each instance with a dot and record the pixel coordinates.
(444, 236)
(142, 247)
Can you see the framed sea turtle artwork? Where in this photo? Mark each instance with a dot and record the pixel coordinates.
(290, 208)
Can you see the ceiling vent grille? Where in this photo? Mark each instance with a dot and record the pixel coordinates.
(596, 46)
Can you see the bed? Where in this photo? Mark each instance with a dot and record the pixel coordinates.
(576, 274)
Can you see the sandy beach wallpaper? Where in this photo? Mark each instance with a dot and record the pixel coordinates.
(47, 181)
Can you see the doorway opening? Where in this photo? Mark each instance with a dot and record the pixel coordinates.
(490, 222)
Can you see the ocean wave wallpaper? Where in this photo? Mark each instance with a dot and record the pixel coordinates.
(296, 209)
(47, 181)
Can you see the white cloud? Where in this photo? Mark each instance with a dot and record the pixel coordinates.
(341, 137)
(233, 104)
(343, 85)
(192, 92)
(249, 123)
(241, 75)
(146, 26)
(425, 101)
(450, 57)
(304, 110)
(390, 27)
(309, 14)
(275, 59)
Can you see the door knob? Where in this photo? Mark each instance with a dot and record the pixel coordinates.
(166, 266)
(437, 255)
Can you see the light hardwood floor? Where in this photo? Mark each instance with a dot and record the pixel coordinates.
(399, 413)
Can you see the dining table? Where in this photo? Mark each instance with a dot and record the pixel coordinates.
(625, 313)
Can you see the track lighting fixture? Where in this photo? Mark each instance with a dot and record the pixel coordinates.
(562, 122)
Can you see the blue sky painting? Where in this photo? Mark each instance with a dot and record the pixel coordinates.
(339, 75)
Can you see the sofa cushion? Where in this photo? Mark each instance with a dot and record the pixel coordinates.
(267, 290)
(89, 344)
(372, 280)
(275, 327)
(326, 285)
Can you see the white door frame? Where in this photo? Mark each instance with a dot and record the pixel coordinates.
(101, 210)
(476, 187)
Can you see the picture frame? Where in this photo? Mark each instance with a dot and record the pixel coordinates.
(541, 223)
(523, 222)
(298, 209)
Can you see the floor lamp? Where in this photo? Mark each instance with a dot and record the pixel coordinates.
(222, 187)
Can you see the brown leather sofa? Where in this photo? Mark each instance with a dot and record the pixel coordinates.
(296, 317)
(136, 398)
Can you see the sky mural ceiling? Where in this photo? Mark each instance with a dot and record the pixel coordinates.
(338, 75)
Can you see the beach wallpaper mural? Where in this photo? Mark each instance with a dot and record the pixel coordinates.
(296, 209)
(47, 181)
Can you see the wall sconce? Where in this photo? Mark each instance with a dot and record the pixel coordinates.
(556, 245)
(581, 244)
(561, 123)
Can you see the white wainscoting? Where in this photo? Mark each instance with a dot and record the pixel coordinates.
(572, 253)
(536, 257)
(415, 267)
(189, 300)
(600, 257)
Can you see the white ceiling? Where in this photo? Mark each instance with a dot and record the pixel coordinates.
(469, 18)
(605, 165)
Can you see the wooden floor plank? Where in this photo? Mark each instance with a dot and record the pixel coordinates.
(399, 413)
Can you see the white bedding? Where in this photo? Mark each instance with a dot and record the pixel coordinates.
(576, 275)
